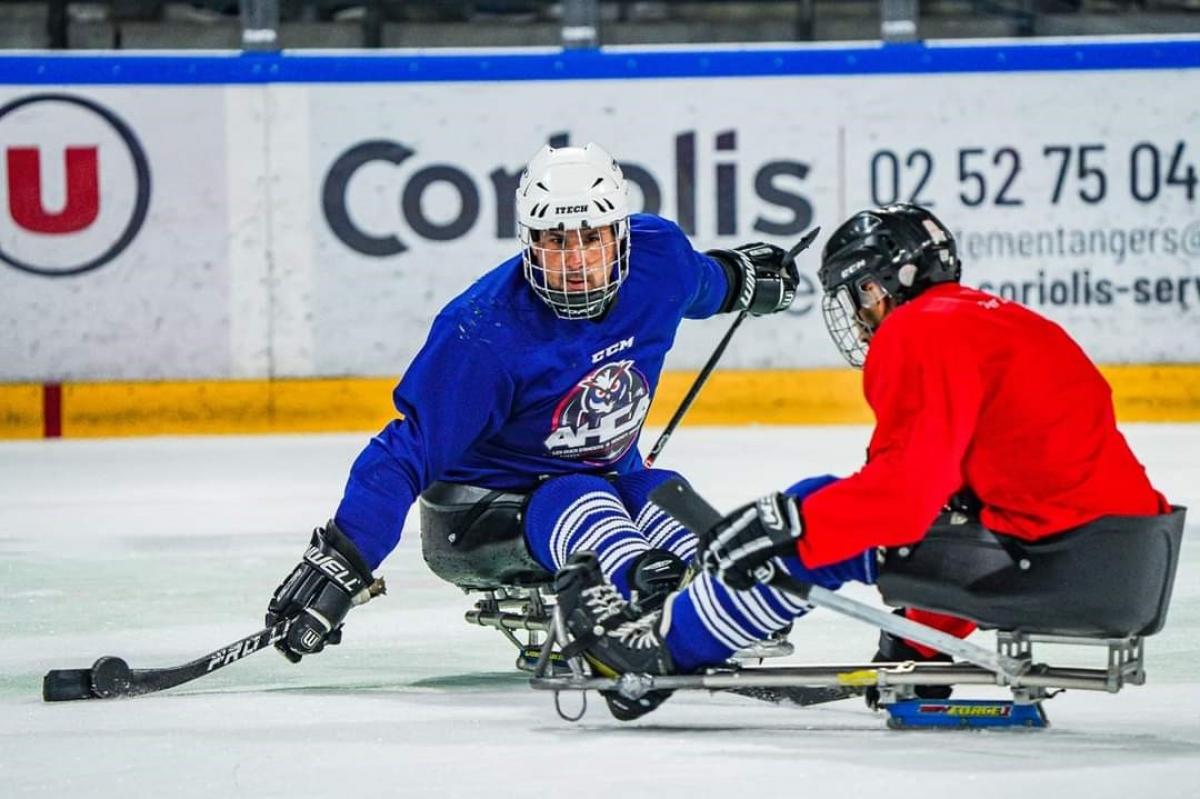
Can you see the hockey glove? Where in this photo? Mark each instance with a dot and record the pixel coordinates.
(319, 593)
(762, 279)
(895, 650)
(742, 547)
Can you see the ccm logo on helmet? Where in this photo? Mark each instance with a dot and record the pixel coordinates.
(854, 267)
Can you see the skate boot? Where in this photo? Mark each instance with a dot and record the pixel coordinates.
(607, 632)
(653, 576)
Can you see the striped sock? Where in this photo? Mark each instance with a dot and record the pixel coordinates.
(708, 622)
(658, 527)
(580, 513)
(663, 532)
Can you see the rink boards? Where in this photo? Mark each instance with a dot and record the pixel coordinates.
(813, 396)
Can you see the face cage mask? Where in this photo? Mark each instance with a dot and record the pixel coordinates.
(849, 332)
(542, 265)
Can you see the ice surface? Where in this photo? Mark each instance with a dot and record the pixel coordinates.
(159, 550)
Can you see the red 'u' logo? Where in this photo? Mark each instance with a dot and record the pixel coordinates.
(25, 191)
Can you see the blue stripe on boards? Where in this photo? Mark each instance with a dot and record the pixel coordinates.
(519, 65)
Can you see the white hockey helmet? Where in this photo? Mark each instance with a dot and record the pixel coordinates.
(574, 189)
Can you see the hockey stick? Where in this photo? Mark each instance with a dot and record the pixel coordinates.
(692, 511)
(702, 378)
(111, 677)
(799, 695)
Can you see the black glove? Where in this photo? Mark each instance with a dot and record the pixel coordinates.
(741, 547)
(759, 279)
(319, 592)
(895, 650)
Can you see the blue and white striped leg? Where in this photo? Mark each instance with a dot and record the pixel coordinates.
(659, 528)
(578, 513)
(708, 621)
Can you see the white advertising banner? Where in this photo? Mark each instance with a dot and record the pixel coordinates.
(113, 234)
(1073, 193)
(301, 229)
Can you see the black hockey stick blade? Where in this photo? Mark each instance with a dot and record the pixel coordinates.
(800, 695)
(110, 677)
(64, 685)
(687, 507)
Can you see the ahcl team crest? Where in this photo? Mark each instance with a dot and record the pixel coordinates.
(600, 417)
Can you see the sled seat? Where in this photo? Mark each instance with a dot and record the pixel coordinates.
(474, 538)
(1109, 578)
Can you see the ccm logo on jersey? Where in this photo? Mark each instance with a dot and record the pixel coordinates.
(612, 349)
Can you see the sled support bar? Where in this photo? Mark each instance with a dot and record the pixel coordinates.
(852, 675)
(507, 621)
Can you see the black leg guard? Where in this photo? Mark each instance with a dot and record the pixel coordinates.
(653, 576)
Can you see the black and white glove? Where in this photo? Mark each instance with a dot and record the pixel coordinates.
(894, 650)
(742, 547)
(762, 279)
(319, 593)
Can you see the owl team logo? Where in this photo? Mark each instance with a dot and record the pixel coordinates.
(600, 417)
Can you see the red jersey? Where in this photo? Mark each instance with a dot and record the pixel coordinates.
(972, 391)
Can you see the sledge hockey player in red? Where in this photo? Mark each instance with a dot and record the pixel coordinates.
(980, 404)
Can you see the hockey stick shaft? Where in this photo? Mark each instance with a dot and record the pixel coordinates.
(1012, 668)
(219, 659)
(690, 397)
(702, 378)
(691, 510)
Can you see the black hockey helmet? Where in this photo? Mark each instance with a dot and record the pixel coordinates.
(900, 250)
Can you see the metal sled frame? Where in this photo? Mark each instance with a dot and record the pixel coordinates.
(1010, 665)
(521, 612)
(517, 612)
(896, 682)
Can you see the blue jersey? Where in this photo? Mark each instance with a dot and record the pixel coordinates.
(505, 393)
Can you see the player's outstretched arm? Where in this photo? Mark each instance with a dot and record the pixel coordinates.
(331, 578)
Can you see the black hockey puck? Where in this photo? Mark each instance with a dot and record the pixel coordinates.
(111, 677)
(63, 685)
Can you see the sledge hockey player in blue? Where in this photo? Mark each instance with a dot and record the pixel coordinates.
(519, 417)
